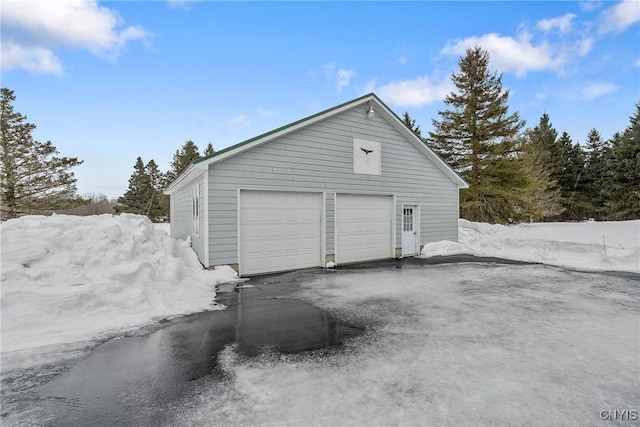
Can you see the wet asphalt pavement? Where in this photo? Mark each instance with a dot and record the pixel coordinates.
(132, 380)
(129, 380)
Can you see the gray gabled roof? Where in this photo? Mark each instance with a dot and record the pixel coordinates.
(200, 164)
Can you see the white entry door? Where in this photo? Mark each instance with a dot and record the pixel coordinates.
(363, 227)
(409, 230)
(279, 230)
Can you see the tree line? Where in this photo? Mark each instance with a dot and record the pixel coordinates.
(518, 174)
(515, 173)
(144, 195)
(35, 180)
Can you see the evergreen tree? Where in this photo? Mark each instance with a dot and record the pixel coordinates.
(411, 124)
(182, 159)
(477, 125)
(622, 183)
(144, 195)
(138, 196)
(209, 150)
(571, 179)
(478, 138)
(34, 179)
(543, 192)
(545, 137)
(594, 173)
(158, 207)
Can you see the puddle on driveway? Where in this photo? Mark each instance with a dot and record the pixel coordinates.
(131, 380)
(288, 326)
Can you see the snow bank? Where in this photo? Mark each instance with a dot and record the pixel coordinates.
(613, 246)
(68, 278)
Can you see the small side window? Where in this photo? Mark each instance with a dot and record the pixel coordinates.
(196, 210)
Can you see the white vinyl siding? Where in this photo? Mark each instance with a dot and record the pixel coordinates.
(320, 158)
(182, 215)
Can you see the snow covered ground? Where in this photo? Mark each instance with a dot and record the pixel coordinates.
(464, 344)
(590, 245)
(67, 278)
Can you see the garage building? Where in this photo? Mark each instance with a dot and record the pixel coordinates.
(348, 184)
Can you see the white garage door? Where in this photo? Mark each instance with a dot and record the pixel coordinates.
(363, 227)
(279, 231)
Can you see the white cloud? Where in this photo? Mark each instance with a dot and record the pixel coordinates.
(415, 92)
(34, 59)
(562, 23)
(344, 78)
(36, 25)
(512, 54)
(637, 63)
(340, 76)
(619, 17)
(180, 3)
(595, 90)
(589, 6)
(236, 122)
(585, 45)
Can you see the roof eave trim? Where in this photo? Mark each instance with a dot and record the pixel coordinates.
(287, 129)
(192, 171)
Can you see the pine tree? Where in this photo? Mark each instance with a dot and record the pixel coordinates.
(543, 192)
(144, 195)
(545, 137)
(182, 159)
(158, 206)
(478, 138)
(594, 173)
(571, 179)
(139, 195)
(34, 179)
(622, 183)
(209, 150)
(411, 124)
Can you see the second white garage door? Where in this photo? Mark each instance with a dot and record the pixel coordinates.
(363, 227)
(279, 231)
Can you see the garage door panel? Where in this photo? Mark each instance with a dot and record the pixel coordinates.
(279, 231)
(363, 227)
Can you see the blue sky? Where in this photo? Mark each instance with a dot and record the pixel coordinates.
(110, 81)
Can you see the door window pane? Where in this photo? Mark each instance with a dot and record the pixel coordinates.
(407, 219)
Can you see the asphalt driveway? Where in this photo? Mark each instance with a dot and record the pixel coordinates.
(447, 344)
(409, 342)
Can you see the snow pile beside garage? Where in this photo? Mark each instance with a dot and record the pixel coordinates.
(69, 278)
(590, 245)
